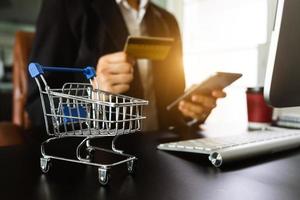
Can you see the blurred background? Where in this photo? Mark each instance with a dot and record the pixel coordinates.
(14, 15)
(218, 35)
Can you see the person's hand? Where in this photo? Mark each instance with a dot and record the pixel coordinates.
(200, 106)
(115, 72)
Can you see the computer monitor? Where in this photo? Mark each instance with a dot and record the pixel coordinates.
(282, 83)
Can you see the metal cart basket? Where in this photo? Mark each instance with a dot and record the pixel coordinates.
(79, 110)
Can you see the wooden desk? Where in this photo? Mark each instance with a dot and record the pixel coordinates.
(160, 175)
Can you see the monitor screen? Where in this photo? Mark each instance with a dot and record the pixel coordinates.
(282, 83)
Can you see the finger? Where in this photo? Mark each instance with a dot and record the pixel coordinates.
(120, 88)
(119, 79)
(218, 94)
(119, 57)
(206, 101)
(98, 83)
(95, 83)
(188, 113)
(115, 68)
(191, 107)
(200, 117)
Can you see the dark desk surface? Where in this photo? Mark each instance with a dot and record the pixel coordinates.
(160, 175)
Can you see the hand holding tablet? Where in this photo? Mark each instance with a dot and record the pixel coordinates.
(218, 81)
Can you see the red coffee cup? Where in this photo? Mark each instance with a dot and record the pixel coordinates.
(259, 113)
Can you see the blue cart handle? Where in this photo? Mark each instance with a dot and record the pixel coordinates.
(36, 69)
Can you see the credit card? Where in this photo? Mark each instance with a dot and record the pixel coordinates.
(152, 48)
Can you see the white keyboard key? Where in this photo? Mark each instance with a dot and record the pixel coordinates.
(199, 148)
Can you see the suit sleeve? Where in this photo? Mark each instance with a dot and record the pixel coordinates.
(177, 79)
(169, 74)
(55, 45)
(178, 57)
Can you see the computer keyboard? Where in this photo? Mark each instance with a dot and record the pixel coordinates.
(229, 148)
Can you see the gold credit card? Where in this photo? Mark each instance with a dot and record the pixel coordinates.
(152, 48)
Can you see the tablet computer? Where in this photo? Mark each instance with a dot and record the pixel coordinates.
(218, 81)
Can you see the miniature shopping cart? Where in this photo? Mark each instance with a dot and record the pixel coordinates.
(80, 110)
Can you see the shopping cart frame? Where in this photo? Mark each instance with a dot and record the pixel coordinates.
(94, 111)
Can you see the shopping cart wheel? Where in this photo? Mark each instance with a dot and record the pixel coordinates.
(104, 176)
(131, 166)
(45, 164)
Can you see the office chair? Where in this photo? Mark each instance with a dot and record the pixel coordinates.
(12, 133)
(22, 49)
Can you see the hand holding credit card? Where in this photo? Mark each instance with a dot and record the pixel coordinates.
(152, 48)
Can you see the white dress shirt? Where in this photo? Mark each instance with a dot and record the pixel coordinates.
(136, 27)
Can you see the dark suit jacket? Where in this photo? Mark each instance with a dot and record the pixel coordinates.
(78, 32)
